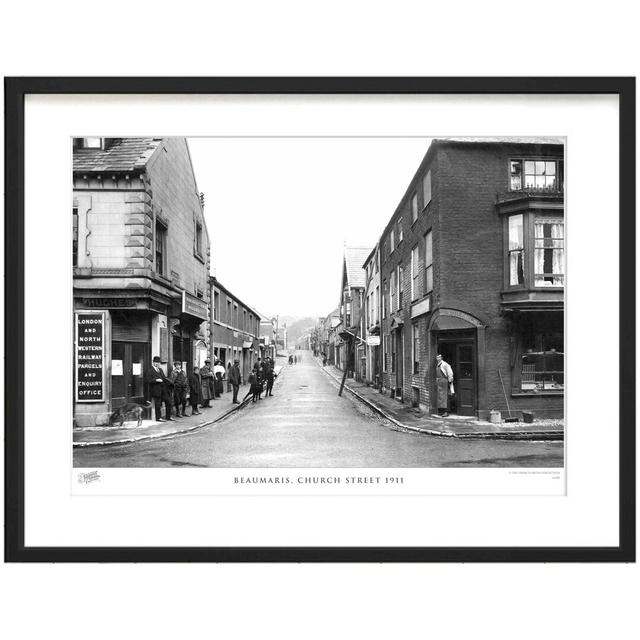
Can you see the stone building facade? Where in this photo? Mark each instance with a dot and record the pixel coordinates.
(472, 267)
(141, 258)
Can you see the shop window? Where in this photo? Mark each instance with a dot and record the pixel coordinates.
(549, 253)
(160, 254)
(536, 175)
(516, 250)
(542, 366)
(414, 208)
(428, 263)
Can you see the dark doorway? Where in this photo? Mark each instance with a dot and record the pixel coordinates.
(399, 350)
(128, 364)
(459, 352)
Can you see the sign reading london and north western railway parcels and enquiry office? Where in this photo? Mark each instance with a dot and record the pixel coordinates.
(90, 357)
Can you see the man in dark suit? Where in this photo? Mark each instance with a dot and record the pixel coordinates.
(159, 386)
(235, 378)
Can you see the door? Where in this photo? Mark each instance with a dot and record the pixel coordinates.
(464, 376)
(128, 362)
(460, 354)
(399, 362)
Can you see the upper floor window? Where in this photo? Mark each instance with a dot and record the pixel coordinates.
(75, 236)
(400, 285)
(384, 299)
(414, 208)
(426, 188)
(392, 241)
(536, 175)
(198, 239)
(516, 250)
(216, 305)
(549, 253)
(229, 313)
(400, 232)
(392, 307)
(428, 262)
(161, 245)
(415, 270)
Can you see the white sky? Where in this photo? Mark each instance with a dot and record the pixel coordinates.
(279, 211)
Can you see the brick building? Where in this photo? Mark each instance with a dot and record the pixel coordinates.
(472, 267)
(141, 257)
(370, 319)
(235, 329)
(351, 306)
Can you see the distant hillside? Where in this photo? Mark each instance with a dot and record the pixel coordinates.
(298, 327)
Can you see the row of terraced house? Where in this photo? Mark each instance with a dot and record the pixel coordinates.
(141, 275)
(470, 266)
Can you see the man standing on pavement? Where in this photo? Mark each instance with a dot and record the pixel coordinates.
(180, 388)
(206, 376)
(269, 377)
(235, 379)
(158, 385)
(444, 385)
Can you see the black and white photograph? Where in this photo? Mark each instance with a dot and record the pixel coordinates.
(318, 302)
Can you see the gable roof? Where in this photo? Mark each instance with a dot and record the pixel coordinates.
(354, 258)
(126, 154)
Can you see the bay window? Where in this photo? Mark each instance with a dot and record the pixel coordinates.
(516, 251)
(549, 253)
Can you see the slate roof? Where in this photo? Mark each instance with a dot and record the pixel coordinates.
(504, 140)
(354, 258)
(126, 154)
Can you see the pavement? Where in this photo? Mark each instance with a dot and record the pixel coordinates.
(305, 424)
(220, 409)
(410, 418)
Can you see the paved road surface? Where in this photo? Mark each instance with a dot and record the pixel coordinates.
(306, 424)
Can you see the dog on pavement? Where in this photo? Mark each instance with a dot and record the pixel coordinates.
(129, 411)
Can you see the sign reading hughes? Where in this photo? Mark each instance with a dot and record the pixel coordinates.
(90, 357)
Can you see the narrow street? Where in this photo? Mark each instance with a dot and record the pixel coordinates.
(306, 424)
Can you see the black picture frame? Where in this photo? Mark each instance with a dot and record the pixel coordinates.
(15, 91)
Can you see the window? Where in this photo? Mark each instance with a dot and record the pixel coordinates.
(400, 235)
(385, 297)
(516, 251)
(92, 143)
(414, 208)
(348, 314)
(415, 270)
(235, 316)
(393, 356)
(161, 243)
(198, 239)
(400, 285)
(426, 188)
(385, 352)
(549, 253)
(74, 213)
(376, 298)
(543, 364)
(216, 305)
(428, 263)
(392, 241)
(244, 320)
(392, 307)
(536, 175)
(229, 313)
(416, 348)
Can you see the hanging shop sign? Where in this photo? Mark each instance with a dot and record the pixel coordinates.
(194, 306)
(373, 341)
(90, 356)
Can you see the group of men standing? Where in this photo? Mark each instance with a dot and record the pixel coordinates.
(263, 372)
(202, 386)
